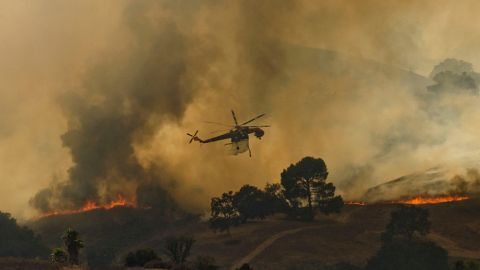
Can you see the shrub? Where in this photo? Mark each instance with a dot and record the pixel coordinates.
(58, 255)
(409, 255)
(140, 257)
(178, 248)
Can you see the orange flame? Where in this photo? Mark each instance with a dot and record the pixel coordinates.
(89, 206)
(433, 200)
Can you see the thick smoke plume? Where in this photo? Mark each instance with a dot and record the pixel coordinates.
(96, 97)
(123, 100)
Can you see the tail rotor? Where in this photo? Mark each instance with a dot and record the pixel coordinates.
(194, 136)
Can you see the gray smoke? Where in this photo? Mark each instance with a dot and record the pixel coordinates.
(124, 98)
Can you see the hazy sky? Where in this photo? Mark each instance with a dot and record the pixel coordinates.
(238, 55)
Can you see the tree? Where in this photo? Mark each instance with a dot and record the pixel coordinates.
(251, 203)
(140, 257)
(401, 248)
(223, 213)
(450, 82)
(409, 255)
(73, 245)
(19, 241)
(452, 65)
(406, 223)
(275, 200)
(327, 201)
(332, 205)
(178, 248)
(305, 181)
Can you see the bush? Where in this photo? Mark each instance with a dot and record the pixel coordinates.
(407, 223)
(178, 248)
(58, 255)
(409, 255)
(140, 257)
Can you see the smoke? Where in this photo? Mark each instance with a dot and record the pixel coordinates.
(467, 184)
(121, 102)
(113, 91)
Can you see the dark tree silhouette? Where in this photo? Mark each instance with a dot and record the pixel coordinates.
(409, 255)
(223, 213)
(251, 203)
(331, 205)
(73, 245)
(178, 249)
(406, 223)
(402, 249)
(276, 201)
(305, 181)
(18, 241)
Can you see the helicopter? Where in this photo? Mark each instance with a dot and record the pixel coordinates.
(238, 135)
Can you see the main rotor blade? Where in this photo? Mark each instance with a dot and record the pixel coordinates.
(215, 123)
(253, 119)
(217, 131)
(234, 118)
(259, 126)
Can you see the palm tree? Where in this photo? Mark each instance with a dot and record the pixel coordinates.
(73, 245)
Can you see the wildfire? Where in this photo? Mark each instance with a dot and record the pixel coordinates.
(433, 200)
(417, 200)
(91, 205)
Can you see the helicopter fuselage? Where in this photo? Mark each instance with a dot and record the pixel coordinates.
(241, 133)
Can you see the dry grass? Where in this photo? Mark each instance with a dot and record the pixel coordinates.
(352, 236)
(26, 264)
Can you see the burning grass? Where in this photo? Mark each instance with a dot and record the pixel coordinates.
(418, 200)
(89, 206)
(433, 200)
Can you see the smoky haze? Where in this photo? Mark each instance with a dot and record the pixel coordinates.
(97, 96)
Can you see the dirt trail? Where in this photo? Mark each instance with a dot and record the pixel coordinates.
(344, 218)
(265, 244)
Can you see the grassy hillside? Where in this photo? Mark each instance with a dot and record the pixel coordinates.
(352, 236)
(108, 232)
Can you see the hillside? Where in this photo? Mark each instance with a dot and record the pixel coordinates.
(352, 236)
(440, 180)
